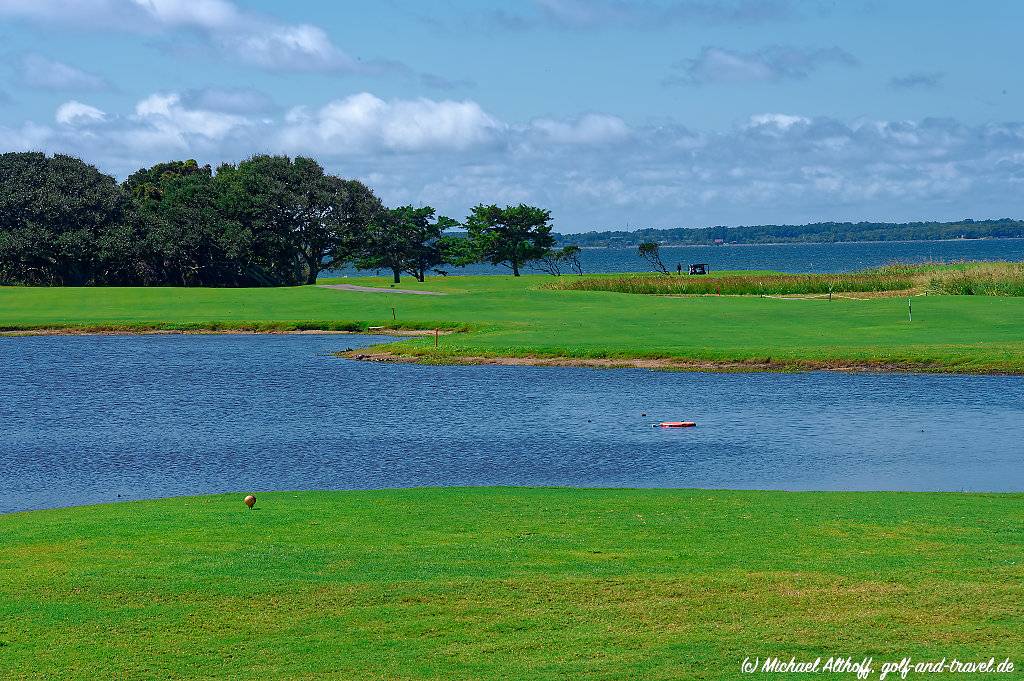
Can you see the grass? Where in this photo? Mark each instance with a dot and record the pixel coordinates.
(492, 583)
(510, 317)
(968, 278)
(738, 285)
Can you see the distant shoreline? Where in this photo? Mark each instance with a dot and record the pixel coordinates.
(804, 243)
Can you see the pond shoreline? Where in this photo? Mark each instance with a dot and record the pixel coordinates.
(242, 331)
(682, 364)
(675, 364)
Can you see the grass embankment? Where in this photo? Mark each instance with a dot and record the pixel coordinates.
(995, 278)
(517, 318)
(507, 583)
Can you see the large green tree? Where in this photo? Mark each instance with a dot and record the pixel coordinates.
(186, 239)
(510, 236)
(301, 220)
(54, 211)
(406, 239)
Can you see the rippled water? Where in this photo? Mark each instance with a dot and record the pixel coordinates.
(93, 419)
(841, 257)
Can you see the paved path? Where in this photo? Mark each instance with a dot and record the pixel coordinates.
(372, 289)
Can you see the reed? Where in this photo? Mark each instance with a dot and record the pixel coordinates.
(741, 285)
(931, 278)
(979, 279)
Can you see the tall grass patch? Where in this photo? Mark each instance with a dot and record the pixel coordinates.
(981, 279)
(935, 278)
(740, 285)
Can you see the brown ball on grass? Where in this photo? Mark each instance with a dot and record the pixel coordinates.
(250, 501)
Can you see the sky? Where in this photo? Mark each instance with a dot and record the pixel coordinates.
(613, 114)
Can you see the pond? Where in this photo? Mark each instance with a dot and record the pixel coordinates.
(835, 257)
(87, 419)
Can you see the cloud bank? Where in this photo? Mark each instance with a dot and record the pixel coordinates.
(220, 25)
(594, 170)
(774, 63)
(42, 73)
(917, 80)
(640, 14)
(245, 36)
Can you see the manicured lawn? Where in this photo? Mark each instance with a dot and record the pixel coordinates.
(516, 317)
(507, 583)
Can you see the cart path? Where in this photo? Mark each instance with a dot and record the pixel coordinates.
(373, 289)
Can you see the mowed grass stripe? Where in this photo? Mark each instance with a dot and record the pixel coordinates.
(516, 317)
(506, 583)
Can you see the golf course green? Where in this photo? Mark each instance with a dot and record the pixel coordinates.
(506, 583)
(507, 317)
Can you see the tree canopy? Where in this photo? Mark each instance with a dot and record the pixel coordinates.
(510, 236)
(265, 221)
(58, 216)
(406, 239)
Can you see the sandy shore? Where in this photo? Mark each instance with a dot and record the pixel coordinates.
(85, 331)
(658, 364)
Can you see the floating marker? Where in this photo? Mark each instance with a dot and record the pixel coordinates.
(675, 424)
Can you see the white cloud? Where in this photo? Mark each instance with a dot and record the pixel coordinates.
(776, 120)
(918, 80)
(43, 73)
(597, 14)
(588, 129)
(593, 171)
(289, 48)
(161, 121)
(246, 36)
(363, 123)
(207, 14)
(774, 63)
(29, 137)
(231, 100)
(77, 113)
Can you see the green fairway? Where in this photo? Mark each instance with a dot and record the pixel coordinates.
(516, 317)
(507, 583)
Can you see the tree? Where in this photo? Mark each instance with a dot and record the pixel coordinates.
(53, 213)
(301, 220)
(510, 236)
(185, 237)
(571, 255)
(406, 239)
(428, 245)
(651, 252)
(353, 208)
(554, 260)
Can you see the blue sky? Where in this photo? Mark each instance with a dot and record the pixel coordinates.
(609, 112)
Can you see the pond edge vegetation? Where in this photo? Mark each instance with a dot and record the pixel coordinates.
(962, 279)
(399, 353)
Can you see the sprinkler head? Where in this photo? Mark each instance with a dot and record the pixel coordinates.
(250, 501)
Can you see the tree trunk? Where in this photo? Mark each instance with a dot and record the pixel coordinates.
(515, 268)
(398, 275)
(311, 277)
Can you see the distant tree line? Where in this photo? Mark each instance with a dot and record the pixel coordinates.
(266, 221)
(819, 232)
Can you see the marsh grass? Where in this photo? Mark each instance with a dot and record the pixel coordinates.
(934, 278)
(741, 285)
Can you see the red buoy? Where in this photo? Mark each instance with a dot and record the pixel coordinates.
(675, 424)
